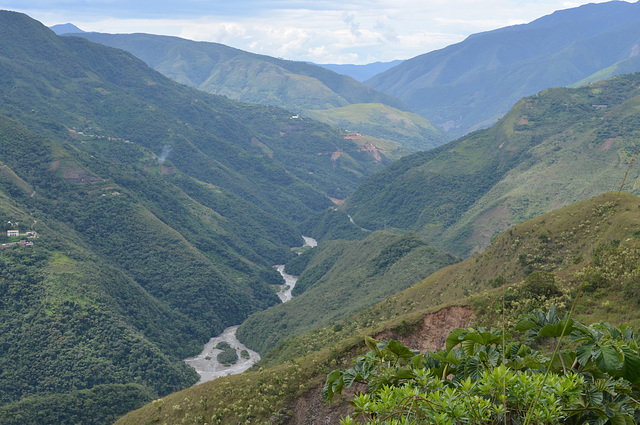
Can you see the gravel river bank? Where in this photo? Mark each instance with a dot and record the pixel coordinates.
(207, 364)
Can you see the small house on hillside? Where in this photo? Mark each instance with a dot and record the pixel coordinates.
(13, 233)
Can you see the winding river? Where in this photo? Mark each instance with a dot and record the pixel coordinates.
(206, 363)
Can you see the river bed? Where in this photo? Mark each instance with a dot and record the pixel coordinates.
(206, 363)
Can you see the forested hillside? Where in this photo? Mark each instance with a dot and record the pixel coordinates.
(158, 210)
(557, 147)
(300, 87)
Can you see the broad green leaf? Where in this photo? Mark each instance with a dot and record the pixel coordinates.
(451, 358)
(607, 358)
(399, 350)
(350, 376)
(329, 386)
(526, 324)
(417, 361)
(473, 368)
(593, 397)
(583, 352)
(405, 373)
(373, 345)
(630, 366)
(453, 338)
(364, 366)
(556, 330)
(469, 346)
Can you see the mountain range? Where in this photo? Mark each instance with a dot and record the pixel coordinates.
(151, 215)
(471, 84)
(300, 87)
(552, 149)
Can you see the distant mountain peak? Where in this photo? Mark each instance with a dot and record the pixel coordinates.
(66, 29)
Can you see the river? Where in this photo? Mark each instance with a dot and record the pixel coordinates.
(206, 363)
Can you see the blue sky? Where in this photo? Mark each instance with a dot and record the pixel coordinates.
(321, 31)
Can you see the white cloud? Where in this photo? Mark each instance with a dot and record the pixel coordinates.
(327, 31)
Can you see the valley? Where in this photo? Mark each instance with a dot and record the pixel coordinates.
(166, 181)
(207, 364)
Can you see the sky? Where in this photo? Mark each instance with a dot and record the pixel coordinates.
(319, 31)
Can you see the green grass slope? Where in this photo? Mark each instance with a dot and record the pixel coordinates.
(625, 66)
(340, 279)
(411, 131)
(288, 387)
(550, 150)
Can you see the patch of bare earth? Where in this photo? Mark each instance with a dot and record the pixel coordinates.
(335, 155)
(374, 151)
(78, 175)
(430, 334)
(607, 144)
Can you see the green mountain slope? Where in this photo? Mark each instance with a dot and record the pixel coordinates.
(550, 150)
(244, 76)
(408, 129)
(626, 66)
(159, 209)
(297, 86)
(470, 85)
(341, 278)
(289, 385)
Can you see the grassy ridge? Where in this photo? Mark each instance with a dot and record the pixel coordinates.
(244, 76)
(322, 94)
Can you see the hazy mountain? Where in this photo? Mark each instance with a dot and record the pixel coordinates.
(471, 84)
(552, 149)
(248, 77)
(410, 131)
(159, 209)
(66, 29)
(361, 72)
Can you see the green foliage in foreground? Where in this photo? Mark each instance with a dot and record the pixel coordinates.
(486, 377)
